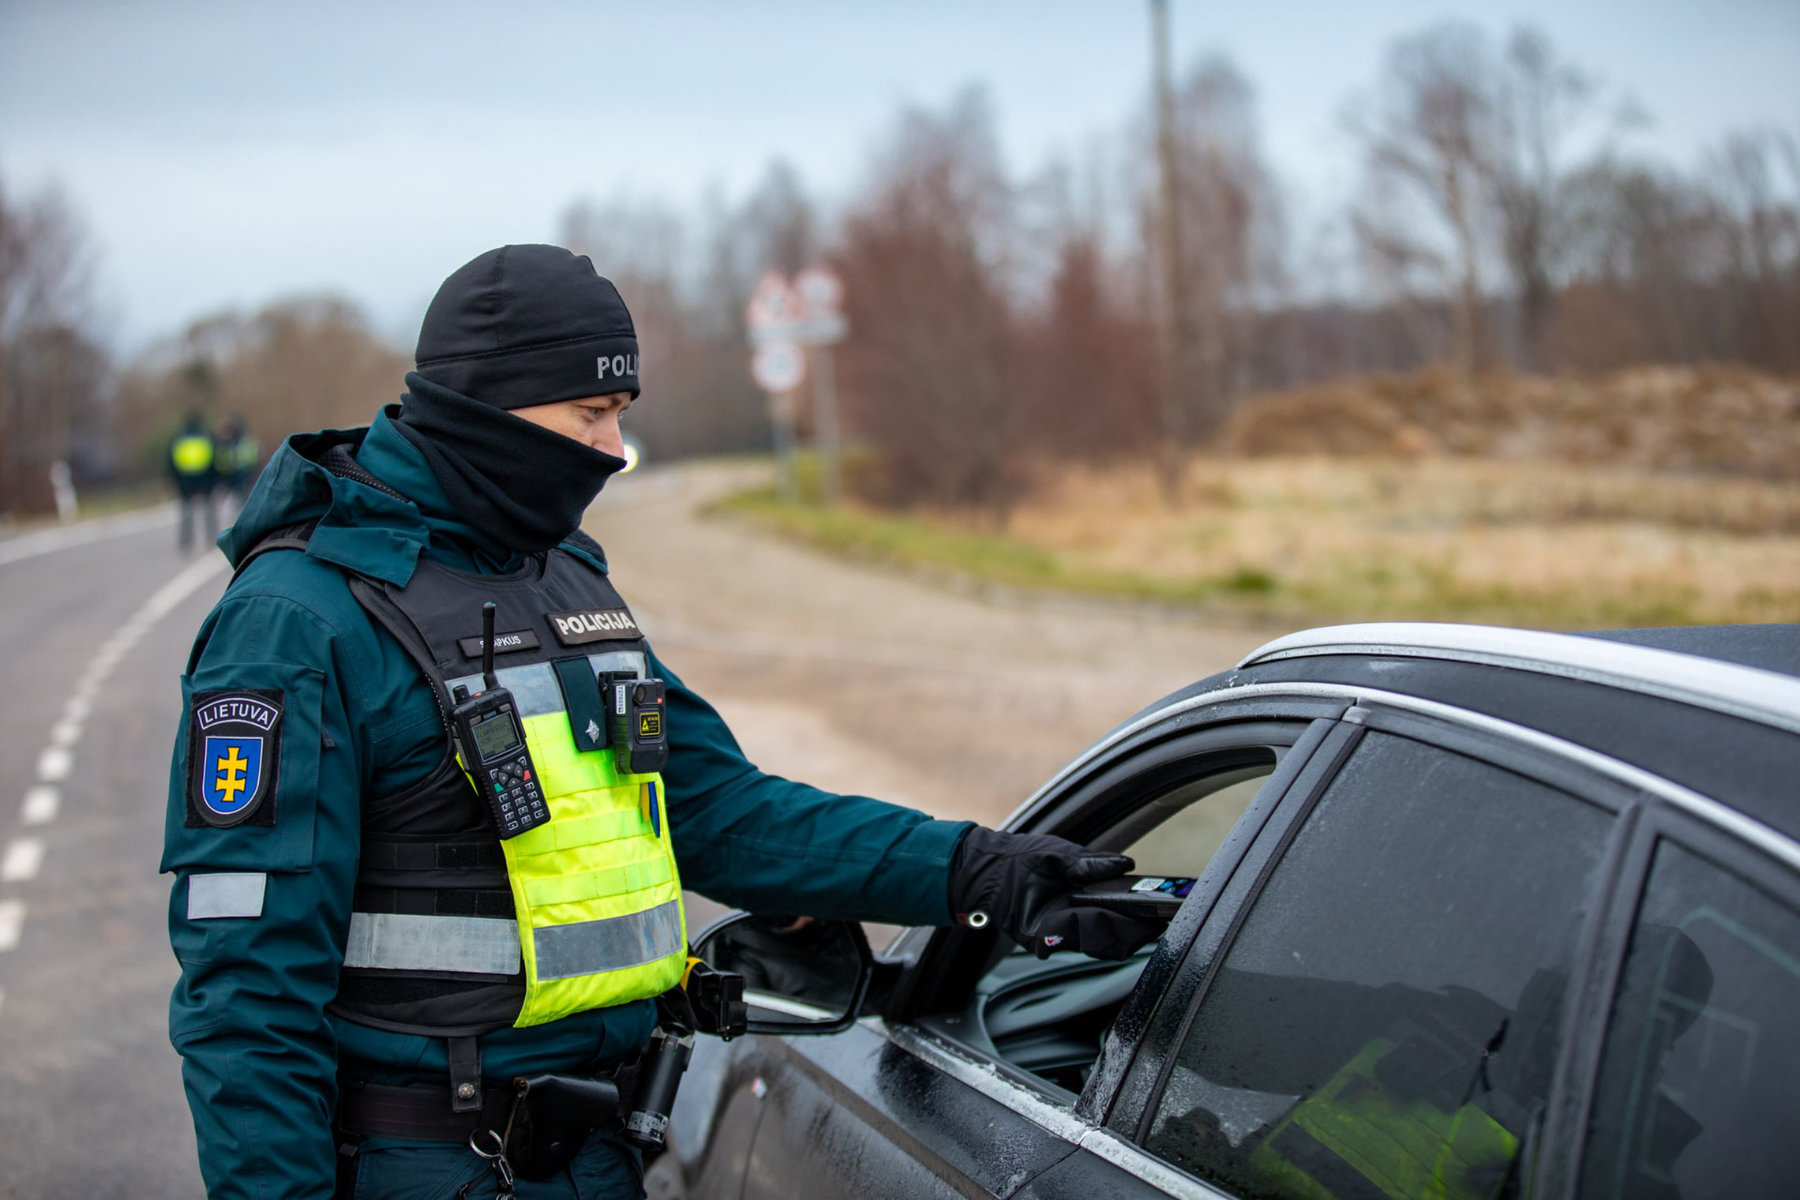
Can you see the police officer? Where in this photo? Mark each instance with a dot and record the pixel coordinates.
(193, 470)
(369, 952)
(237, 454)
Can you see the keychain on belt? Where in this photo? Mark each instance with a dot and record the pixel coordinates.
(496, 1157)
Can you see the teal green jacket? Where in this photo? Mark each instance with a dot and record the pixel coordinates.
(261, 1056)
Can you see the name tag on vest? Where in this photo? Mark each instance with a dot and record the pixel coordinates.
(594, 625)
(504, 643)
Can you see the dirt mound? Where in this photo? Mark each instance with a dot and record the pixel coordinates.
(1723, 420)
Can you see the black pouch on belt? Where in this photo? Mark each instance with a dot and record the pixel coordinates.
(555, 1115)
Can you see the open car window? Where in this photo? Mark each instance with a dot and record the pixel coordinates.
(1048, 1017)
(1179, 831)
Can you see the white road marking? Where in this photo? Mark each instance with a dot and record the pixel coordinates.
(48, 541)
(23, 858)
(41, 803)
(54, 764)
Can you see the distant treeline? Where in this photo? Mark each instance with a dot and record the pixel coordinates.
(1503, 219)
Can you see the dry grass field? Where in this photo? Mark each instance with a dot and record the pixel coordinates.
(1549, 544)
(1649, 497)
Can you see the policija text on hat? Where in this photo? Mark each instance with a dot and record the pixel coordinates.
(373, 947)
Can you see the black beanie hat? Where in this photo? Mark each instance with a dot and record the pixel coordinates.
(526, 325)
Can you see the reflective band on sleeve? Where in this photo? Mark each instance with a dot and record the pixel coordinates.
(226, 894)
(414, 942)
(611, 944)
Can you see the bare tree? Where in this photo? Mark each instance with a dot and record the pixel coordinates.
(52, 367)
(1761, 227)
(1665, 268)
(1431, 132)
(295, 365)
(1541, 102)
(1233, 245)
(930, 364)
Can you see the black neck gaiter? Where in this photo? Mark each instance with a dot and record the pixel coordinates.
(517, 484)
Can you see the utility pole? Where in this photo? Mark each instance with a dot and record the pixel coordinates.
(1174, 308)
(825, 419)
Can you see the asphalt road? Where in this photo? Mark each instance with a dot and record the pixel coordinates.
(97, 633)
(852, 679)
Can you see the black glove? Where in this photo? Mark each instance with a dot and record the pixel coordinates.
(1022, 881)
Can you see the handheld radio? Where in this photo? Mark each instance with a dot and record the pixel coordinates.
(492, 741)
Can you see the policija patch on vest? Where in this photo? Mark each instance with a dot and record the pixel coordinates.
(234, 757)
(594, 625)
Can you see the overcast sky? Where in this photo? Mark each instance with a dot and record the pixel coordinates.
(228, 153)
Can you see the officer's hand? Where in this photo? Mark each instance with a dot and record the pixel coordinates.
(1023, 881)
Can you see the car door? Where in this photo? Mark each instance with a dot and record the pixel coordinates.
(1695, 1092)
(1378, 1002)
(986, 1078)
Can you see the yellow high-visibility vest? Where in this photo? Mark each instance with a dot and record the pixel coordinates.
(192, 454)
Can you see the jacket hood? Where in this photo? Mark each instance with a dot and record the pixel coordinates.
(374, 504)
(357, 524)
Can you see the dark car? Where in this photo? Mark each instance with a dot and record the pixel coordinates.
(1475, 912)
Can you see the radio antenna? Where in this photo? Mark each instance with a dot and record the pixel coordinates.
(487, 646)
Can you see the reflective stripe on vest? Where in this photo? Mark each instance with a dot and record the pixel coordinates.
(192, 454)
(411, 942)
(484, 946)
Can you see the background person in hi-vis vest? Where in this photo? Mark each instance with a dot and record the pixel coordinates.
(193, 469)
(370, 949)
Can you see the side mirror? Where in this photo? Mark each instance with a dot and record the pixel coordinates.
(800, 975)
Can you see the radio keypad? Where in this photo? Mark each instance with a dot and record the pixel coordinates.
(518, 801)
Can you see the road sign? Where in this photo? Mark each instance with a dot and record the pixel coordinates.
(821, 292)
(773, 304)
(807, 311)
(778, 366)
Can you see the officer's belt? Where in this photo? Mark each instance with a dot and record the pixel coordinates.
(421, 1112)
(417, 1113)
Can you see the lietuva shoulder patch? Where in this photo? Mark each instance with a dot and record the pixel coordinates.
(234, 757)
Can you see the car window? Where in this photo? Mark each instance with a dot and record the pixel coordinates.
(1699, 1089)
(1048, 1017)
(1184, 828)
(1385, 1021)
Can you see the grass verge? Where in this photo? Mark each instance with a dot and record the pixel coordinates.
(1308, 540)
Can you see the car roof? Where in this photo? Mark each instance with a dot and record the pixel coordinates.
(1672, 663)
(1766, 647)
(1710, 723)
